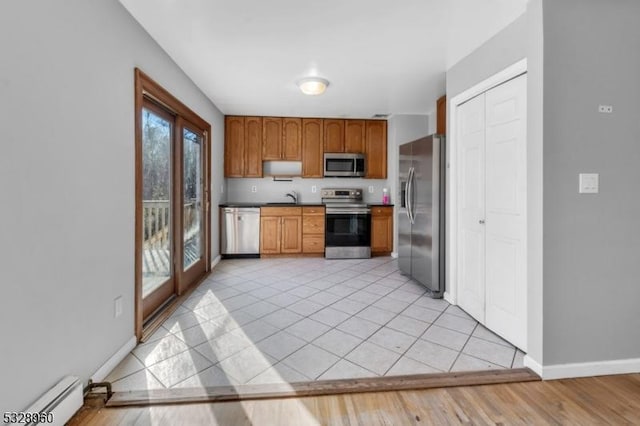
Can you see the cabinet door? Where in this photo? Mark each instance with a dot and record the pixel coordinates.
(253, 147)
(234, 146)
(313, 224)
(354, 131)
(333, 135)
(270, 234)
(312, 148)
(313, 243)
(376, 149)
(271, 138)
(382, 230)
(292, 139)
(291, 241)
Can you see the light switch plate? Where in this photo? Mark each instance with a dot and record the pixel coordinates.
(589, 183)
(371, 189)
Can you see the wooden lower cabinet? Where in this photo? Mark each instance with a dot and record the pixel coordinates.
(270, 234)
(381, 230)
(291, 234)
(313, 230)
(280, 230)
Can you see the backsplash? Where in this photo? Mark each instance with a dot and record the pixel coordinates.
(267, 190)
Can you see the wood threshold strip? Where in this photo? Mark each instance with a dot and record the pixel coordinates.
(318, 388)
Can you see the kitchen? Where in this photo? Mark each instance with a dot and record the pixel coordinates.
(321, 215)
(309, 288)
(57, 79)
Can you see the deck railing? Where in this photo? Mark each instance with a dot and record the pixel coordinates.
(156, 215)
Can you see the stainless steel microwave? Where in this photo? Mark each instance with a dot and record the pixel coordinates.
(340, 164)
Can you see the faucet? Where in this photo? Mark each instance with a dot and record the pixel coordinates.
(293, 195)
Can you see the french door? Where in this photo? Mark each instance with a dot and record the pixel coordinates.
(172, 245)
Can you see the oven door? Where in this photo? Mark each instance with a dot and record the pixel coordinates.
(348, 229)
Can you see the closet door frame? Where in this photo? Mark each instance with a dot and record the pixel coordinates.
(453, 181)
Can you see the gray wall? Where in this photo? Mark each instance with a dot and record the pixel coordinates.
(67, 185)
(502, 50)
(591, 242)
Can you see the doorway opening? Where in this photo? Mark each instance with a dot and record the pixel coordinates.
(172, 200)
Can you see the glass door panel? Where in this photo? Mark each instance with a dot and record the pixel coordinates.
(192, 193)
(157, 217)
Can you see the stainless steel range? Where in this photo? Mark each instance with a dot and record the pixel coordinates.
(348, 224)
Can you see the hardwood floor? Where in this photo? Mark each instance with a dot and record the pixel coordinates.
(586, 401)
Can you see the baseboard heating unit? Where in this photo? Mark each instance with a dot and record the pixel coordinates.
(58, 404)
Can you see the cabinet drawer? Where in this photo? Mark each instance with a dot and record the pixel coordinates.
(312, 210)
(382, 211)
(280, 211)
(313, 243)
(313, 224)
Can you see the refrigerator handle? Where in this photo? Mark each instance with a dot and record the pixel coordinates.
(410, 195)
(407, 186)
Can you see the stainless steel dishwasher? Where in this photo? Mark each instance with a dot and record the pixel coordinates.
(240, 232)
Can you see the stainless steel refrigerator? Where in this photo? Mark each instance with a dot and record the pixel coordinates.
(421, 215)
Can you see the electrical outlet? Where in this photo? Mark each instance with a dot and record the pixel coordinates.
(117, 306)
(254, 188)
(314, 189)
(606, 109)
(222, 189)
(371, 189)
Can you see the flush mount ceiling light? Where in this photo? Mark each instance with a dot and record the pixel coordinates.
(313, 85)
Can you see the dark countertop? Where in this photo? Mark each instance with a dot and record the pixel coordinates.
(261, 204)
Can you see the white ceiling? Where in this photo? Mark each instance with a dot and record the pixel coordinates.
(379, 56)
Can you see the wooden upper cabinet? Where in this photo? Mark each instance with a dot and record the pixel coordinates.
(441, 114)
(354, 134)
(312, 148)
(253, 146)
(234, 146)
(271, 138)
(292, 139)
(376, 149)
(333, 135)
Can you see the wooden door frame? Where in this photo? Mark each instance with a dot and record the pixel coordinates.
(145, 87)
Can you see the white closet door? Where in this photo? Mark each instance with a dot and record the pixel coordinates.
(471, 239)
(505, 206)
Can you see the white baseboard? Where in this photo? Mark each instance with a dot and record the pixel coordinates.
(583, 369)
(587, 369)
(532, 364)
(215, 261)
(449, 297)
(115, 359)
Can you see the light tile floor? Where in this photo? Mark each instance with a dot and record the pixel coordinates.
(286, 320)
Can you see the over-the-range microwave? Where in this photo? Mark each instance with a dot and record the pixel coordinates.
(341, 164)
